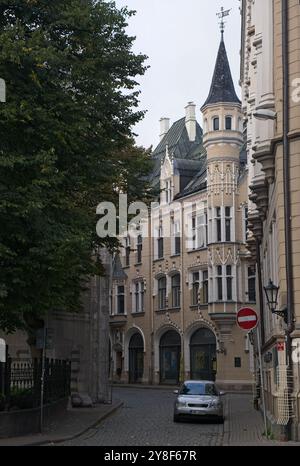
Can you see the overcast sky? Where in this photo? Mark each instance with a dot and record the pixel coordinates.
(181, 39)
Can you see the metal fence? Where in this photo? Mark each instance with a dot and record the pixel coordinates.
(21, 379)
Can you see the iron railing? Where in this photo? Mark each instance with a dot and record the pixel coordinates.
(21, 381)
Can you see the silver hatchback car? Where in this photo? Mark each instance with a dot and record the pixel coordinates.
(199, 398)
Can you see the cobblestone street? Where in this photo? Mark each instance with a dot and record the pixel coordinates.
(147, 419)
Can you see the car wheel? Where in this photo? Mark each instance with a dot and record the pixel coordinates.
(176, 418)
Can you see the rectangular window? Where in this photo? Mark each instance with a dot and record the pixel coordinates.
(160, 244)
(227, 224)
(168, 189)
(216, 124)
(137, 297)
(228, 122)
(162, 290)
(252, 284)
(205, 286)
(139, 249)
(246, 224)
(195, 291)
(176, 291)
(220, 283)
(218, 224)
(237, 362)
(229, 282)
(176, 238)
(142, 288)
(121, 300)
(201, 231)
(127, 252)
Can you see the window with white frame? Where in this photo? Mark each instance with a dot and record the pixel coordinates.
(175, 285)
(200, 287)
(228, 221)
(168, 191)
(176, 238)
(218, 224)
(245, 223)
(219, 283)
(229, 280)
(139, 289)
(223, 224)
(199, 230)
(120, 299)
(224, 280)
(158, 242)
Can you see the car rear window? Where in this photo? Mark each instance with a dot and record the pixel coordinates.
(198, 389)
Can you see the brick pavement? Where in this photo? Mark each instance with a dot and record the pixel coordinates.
(146, 419)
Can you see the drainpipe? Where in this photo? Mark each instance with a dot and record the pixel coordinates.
(260, 292)
(287, 206)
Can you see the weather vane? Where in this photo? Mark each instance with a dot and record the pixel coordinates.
(222, 16)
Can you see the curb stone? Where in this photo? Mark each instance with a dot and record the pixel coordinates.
(77, 434)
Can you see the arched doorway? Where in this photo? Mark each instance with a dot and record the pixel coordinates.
(169, 351)
(203, 355)
(136, 358)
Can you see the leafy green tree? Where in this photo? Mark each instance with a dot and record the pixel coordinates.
(65, 145)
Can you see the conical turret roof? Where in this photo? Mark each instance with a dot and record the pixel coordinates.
(222, 87)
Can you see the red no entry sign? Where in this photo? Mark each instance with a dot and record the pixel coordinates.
(247, 318)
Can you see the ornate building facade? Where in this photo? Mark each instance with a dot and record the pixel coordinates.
(177, 287)
(270, 74)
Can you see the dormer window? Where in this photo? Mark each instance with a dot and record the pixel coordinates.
(228, 123)
(216, 123)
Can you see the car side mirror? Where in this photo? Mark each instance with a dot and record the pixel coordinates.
(176, 392)
(222, 393)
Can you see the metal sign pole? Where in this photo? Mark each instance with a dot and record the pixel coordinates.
(43, 379)
(262, 381)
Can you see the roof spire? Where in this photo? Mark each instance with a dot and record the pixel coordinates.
(222, 15)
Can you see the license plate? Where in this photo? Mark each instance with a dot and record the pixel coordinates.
(196, 412)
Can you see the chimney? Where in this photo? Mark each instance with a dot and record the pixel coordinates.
(190, 120)
(164, 127)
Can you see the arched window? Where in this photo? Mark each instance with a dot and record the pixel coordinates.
(176, 290)
(205, 126)
(228, 123)
(216, 123)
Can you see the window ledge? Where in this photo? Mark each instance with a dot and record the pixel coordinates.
(175, 255)
(174, 308)
(159, 259)
(137, 314)
(138, 264)
(190, 251)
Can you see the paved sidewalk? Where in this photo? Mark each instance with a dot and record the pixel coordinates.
(68, 426)
(244, 425)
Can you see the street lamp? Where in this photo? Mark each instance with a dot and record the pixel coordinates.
(271, 292)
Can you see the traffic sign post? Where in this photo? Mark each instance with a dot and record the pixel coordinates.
(247, 319)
